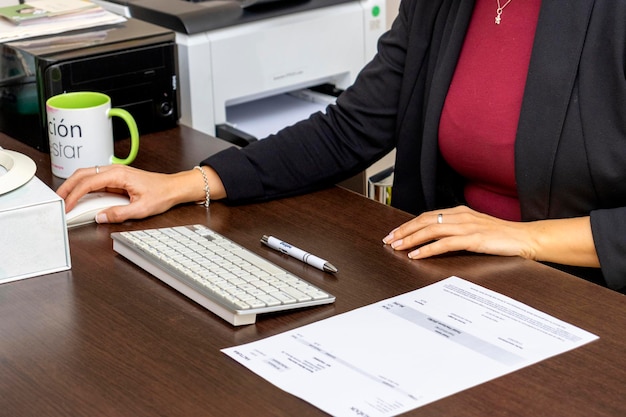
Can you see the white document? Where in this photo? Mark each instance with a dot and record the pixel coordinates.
(401, 353)
(267, 116)
(59, 24)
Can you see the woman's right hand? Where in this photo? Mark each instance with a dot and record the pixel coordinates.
(150, 193)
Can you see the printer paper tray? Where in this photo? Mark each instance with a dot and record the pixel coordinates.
(266, 116)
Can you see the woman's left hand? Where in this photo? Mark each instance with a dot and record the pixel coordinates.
(461, 228)
(565, 241)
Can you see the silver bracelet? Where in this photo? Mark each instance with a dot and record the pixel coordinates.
(207, 192)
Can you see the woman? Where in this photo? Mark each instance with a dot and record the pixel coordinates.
(509, 120)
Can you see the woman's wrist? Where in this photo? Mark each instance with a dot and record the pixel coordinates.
(207, 190)
(190, 186)
(565, 241)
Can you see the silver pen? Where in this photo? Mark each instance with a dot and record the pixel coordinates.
(299, 254)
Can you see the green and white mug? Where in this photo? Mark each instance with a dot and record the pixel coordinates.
(80, 132)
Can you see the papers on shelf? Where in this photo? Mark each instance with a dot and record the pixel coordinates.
(266, 116)
(59, 22)
(404, 352)
(38, 10)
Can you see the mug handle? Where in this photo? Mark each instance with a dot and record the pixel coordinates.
(134, 135)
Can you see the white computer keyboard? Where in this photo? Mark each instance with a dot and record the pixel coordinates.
(227, 279)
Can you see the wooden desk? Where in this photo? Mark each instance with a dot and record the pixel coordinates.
(107, 339)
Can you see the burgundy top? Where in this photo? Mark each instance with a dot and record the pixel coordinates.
(479, 120)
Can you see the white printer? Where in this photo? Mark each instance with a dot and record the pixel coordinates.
(233, 52)
(259, 57)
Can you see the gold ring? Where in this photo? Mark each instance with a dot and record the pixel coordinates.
(440, 218)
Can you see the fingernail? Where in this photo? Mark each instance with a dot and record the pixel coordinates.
(396, 243)
(414, 253)
(388, 238)
(102, 218)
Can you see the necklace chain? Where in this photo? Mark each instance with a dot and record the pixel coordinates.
(499, 11)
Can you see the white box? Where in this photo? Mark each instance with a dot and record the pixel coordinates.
(33, 233)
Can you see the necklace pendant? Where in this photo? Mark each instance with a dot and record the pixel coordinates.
(499, 10)
(499, 13)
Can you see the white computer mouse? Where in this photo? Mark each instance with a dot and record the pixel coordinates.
(91, 204)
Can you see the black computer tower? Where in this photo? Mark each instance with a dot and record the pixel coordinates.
(134, 62)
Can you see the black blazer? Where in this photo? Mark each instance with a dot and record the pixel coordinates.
(570, 152)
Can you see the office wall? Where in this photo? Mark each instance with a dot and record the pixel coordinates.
(392, 11)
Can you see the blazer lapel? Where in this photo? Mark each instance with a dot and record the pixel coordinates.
(559, 39)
